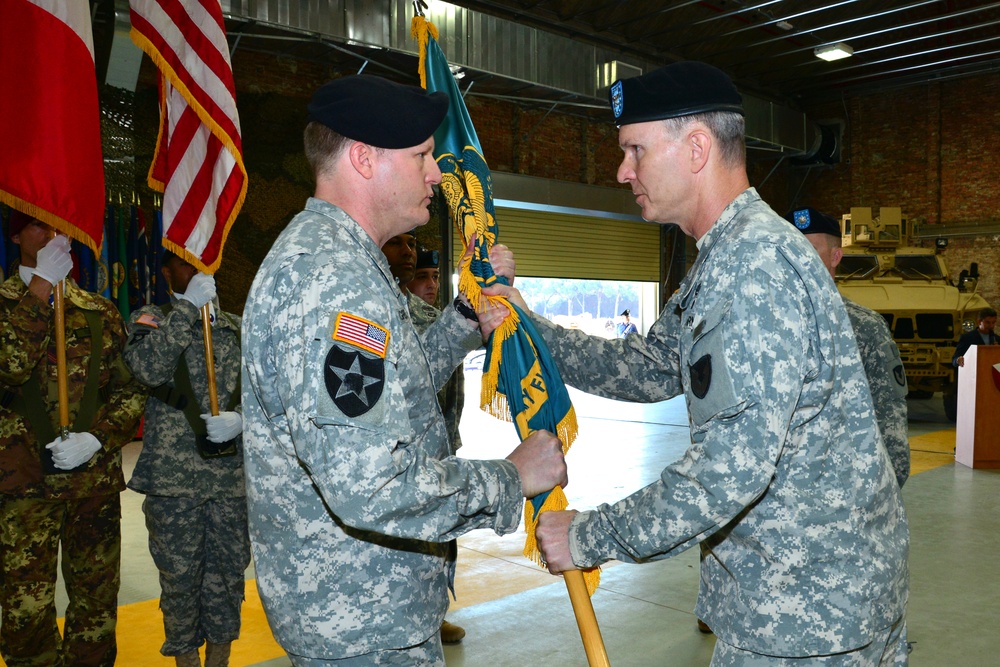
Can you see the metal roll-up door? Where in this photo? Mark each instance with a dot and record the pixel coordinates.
(559, 245)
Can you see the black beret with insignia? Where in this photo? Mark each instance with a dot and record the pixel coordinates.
(810, 221)
(427, 259)
(680, 89)
(377, 111)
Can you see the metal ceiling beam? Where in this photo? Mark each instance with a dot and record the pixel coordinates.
(854, 38)
(756, 26)
(836, 24)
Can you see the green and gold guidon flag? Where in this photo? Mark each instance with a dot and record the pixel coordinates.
(520, 380)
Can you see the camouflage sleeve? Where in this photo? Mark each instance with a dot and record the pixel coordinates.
(118, 419)
(155, 342)
(447, 340)
(637, 368)
(758, 343)
(369, 461)
(887, 381)
(24, 338)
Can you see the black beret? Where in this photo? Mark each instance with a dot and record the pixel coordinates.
(680, 89)
(17, 222)
(427, 259)
(810, 221)
(377, 111)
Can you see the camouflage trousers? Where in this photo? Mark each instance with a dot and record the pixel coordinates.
(202, 550)
(31, 531)
(428, 654)
(888, 649)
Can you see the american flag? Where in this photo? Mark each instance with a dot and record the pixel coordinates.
(358, 331)
(199, 154)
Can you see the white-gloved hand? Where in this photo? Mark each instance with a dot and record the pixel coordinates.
(200, 290)
(53, 262)
(223, 426)
(74, 450)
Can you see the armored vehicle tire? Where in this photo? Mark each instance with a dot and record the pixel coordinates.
(950, 398)
(920, 395)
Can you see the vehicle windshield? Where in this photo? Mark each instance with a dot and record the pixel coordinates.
(857, 267)
(919, 266)
(911, 267)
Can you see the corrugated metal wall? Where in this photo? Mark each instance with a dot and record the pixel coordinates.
(560, 245)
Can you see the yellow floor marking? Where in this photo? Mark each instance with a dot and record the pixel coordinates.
(484, 559)
(140, 634)
(932, 450)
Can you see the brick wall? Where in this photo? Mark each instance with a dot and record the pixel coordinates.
(933, 150)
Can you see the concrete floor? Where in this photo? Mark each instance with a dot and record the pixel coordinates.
(516, 614)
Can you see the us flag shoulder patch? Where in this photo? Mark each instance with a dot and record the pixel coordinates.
(362, 333)
(148, 320)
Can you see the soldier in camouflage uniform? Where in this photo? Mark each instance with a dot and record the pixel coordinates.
(353, 495)
(191, 466)
(401, 253)
(60, 491)
(879, 354)
(786, 483)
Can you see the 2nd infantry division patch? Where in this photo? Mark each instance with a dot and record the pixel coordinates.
(354, 369)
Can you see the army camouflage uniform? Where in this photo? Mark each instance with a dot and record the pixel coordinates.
(452, 395)
(887, 381)
(786, 481)
(80, 509)
(195, 507)
(353, 496)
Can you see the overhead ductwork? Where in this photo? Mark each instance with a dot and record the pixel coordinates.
(517, 52)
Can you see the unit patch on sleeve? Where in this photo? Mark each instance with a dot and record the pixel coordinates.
(354, 379)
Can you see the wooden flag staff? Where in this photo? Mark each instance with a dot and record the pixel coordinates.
(206, 327)
(61, 374)
(586, 620)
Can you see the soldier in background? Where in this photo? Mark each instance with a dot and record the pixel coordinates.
(426, 277)
(879, 354)
(60, 493)
(191, 466)
(786, 481)
(405, 262)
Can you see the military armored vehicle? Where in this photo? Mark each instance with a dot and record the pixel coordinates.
(911, 288)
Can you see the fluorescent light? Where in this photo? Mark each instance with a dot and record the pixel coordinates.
(834, 52)
(784, 25)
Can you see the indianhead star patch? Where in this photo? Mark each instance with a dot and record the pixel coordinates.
(353, 379)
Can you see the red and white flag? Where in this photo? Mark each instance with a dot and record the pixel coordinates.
(199, 153)
(51, 164)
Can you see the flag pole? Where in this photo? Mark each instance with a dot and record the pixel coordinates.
(586, 620)
(206, 327)
(61, 373)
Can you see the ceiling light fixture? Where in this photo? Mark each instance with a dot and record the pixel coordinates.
(834, 52)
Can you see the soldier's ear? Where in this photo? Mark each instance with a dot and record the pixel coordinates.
(836, 254)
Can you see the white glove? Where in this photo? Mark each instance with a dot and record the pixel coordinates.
(53, 261)
(224, 426)
(76, 449)
(200, 290)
